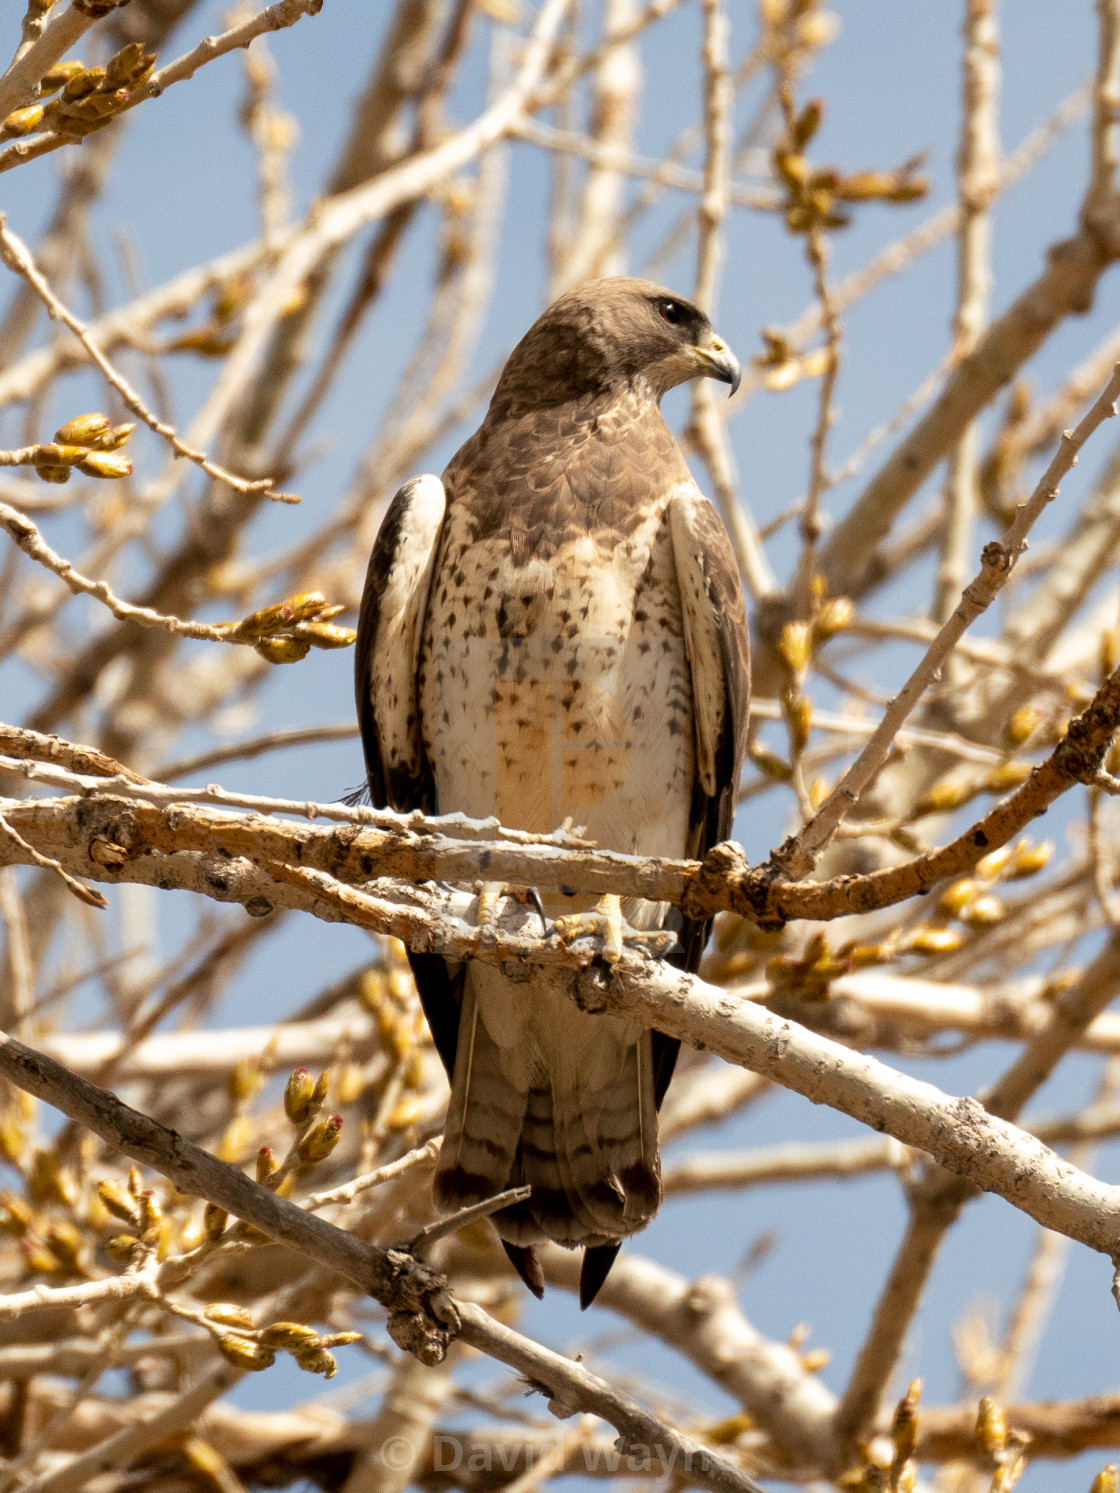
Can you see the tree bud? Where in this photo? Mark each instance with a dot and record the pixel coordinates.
(299, 1096)
(244, 1354)
(321, 1139)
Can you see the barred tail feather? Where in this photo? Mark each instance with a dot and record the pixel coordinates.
(484, 1117)
(546, 1095)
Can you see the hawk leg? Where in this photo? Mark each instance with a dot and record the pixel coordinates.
(605, 921)
(490, 896)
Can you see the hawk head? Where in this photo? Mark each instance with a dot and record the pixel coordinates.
(609, 334)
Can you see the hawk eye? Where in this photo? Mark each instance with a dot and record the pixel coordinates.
(671, 312)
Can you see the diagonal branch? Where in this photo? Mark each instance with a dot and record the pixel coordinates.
(423, 1316)
(798, 855)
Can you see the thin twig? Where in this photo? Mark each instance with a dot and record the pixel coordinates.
(89, 895)
(17, 257)
(800, 854)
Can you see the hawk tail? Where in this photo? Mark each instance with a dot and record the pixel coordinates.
(588, 1152)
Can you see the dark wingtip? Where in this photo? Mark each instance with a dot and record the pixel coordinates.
(597, 1262)
(524, 1261)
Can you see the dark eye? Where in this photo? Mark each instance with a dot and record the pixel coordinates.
(671, 312)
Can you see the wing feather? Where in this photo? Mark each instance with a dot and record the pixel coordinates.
(717, 646)
(386, 685)
(387, 656)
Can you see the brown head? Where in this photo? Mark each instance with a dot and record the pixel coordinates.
(608, 335)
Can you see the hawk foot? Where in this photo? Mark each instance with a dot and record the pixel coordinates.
(605, 921)
(489, 898)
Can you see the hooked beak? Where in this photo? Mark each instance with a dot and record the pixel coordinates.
(720, 362)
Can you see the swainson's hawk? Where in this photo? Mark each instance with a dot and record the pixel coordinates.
(556, 630)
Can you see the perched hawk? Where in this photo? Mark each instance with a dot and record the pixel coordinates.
(556, 631)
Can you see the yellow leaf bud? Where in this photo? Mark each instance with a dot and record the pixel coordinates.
(267, 1164)
(340, 1339)
(992, 865)
(795, 647)
(778, 380)
(943, 798)
(1109, 651)
(83, 83)
(235, 1140)
(119, 1203)
(1007, 776)
(204, 341)
(1023, 723)
(244, 1080)
(22, 122)
(302, 607)
(232, 295)
(792, 166)
(49, 1181)
(991, 1431)
(985, 912)
(865, 954)
(15, 1215)
(59, 75)
(66, 1244)
(289, 1335)
(228, 1315)
(37, 1258)
(904, 1425)
(299, 1096)
(406, 1113)
(214, 1220)
(52, 471)
(927, 940)
(912, 189)
(833, 617)
(770, 763)
(325, 635)
(1105, 1480)
(208, 1460)
(151, 1214)
(815, 1360)
(956, 897)
(799, 713)
(282, 650)
(316, 1360)
(816, 29)
(12, 1139)
(104, 464)
(93, 108)
(320, 1140)
(349, 1084)
(121, 1246)
(1028, 860)
(322, 1089)
(244, 1354)
(819, 790)
(808, 122)
(116, 437)
(83, 430)
(124, 70)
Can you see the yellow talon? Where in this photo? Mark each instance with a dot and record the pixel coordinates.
(489, 899)
(604, 921)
